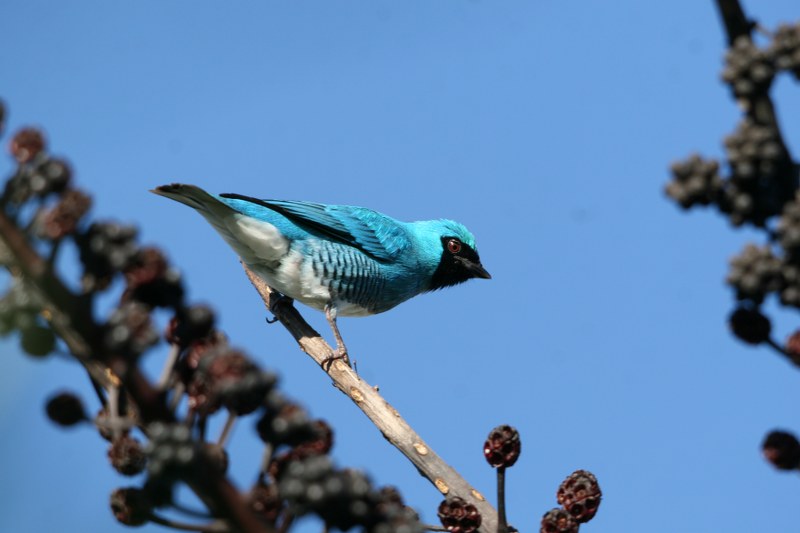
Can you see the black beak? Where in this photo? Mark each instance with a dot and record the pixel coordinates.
(476, 269)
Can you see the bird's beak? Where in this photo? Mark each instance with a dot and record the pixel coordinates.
(476, 269)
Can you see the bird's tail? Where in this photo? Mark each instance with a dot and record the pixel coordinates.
(191, 195)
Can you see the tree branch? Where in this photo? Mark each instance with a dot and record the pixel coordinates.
(393, 427)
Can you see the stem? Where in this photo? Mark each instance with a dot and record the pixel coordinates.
(226, 429)
(213, 527)
(169, 365)
(113, 411)
(266, 459)
(502, 525)
(286, 523)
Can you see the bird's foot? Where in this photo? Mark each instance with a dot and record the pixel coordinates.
(341, 349)
(339, 355)
(277, 299)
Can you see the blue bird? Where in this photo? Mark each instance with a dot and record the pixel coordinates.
(343, 260)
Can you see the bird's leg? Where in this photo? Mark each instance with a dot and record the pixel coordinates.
(275, 299)
(341, 349)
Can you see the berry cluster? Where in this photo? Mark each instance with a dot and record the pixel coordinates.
(502, 447)
(785, 49)
(557, 520)
(458, 516)
(105, 249)
(172, 453)
(755, 273)
(748, 69)
(696, 182)
(579, 495)
(762, 178)
(227, 378)
(38, 175)
(342, 498)
(754, 152)
(129, 330)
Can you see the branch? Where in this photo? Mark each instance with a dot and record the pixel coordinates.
(393, 427)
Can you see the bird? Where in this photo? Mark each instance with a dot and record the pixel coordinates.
(340, 259)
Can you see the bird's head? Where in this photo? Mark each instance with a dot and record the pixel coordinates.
(458, 258)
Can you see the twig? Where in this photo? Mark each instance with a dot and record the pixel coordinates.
(213, 527)
(502, 524)
(169, 366)
(226, 429)
(385, 417)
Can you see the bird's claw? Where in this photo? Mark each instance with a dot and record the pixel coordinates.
(271, 320)
(339, 355)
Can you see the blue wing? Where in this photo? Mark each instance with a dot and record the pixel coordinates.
(377, 235)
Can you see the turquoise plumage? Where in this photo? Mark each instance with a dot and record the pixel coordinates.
(345, 260)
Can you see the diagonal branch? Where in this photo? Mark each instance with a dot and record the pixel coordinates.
(393, 427)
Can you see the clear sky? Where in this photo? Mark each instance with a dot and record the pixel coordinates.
(546, 127)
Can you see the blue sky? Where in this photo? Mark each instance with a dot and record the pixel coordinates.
(546, 127)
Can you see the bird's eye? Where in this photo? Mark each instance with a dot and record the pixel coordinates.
(453, 246)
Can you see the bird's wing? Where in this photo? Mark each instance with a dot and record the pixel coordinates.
(377, 235)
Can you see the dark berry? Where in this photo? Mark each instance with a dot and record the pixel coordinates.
(127, 456)
(265, 501)
(502, 447)
(57, 175)
(63, 218)
(580, 495)
(792, 347)
(288, 426)
(150, 280)
(65, 409)
(558, 521)
(228, 378)
(458, 516)
(190, 324)
(782, 449)
(750, 325)
(129, 330)
(131, 506)
(26, 144)
(37, 340)
(105, 248)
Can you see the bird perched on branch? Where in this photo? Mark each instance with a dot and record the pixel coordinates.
(343, 260)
